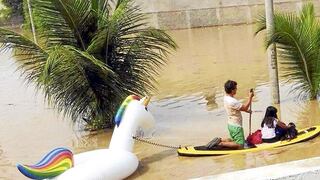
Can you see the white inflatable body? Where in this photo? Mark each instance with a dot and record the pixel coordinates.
(102, 164)
(117, 162)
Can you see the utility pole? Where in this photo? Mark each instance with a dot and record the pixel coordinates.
(272, 54)
(31, 22)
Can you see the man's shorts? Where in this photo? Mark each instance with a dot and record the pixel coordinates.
(236, 134)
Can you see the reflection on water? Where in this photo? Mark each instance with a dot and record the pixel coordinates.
(188, 109)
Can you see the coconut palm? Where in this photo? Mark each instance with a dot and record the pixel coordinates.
(89, 55)
(297, 37)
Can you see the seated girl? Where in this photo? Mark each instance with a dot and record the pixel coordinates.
(269, 124)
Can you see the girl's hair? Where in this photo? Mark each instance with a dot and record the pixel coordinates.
(271, 114)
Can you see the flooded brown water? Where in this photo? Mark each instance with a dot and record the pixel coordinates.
(188, 110)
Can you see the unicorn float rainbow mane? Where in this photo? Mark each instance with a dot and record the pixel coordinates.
(54, 163)
(123, 107)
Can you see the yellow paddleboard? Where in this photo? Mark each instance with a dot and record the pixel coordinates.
(303, 135)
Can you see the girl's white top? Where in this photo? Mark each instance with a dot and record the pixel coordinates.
(269, 133)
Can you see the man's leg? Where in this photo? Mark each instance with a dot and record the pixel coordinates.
(237, 138)
(226, 140)
(231, 145)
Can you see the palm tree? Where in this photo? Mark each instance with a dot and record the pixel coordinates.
(298, 44)
(89, 55)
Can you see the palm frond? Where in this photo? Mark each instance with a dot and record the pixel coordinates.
(261, 24)
(67, 22)
(145, 54)
(102, 10)
(50, 25)
(138, 52)
(298, 45)
(30, 56)
(79, 85)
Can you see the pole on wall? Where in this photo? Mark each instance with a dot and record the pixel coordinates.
(272, 54)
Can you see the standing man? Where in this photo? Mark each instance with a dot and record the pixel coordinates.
(233, 108)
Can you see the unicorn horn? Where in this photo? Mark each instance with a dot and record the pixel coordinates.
(146, 101)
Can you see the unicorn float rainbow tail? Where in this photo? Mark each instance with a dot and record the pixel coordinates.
(53, 164)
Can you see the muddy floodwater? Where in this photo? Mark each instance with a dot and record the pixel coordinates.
(187, 107)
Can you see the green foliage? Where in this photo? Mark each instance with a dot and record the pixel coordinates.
(14, 5)
(4, 12)
(298, 44)
(89, 56)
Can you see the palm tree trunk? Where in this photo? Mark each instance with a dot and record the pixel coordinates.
(31, 21)
(272, 54)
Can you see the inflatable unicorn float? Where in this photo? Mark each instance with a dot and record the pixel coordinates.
(117, 162)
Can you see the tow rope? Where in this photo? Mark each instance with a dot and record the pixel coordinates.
(155, 144)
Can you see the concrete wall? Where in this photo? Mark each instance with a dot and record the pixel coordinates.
(181, 14)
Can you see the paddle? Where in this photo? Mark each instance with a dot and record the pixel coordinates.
(250, 108)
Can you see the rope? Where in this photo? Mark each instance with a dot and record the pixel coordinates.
(154, 143)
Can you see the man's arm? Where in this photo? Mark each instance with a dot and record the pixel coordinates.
(245, 107)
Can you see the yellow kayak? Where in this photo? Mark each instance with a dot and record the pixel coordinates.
(303, 135)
